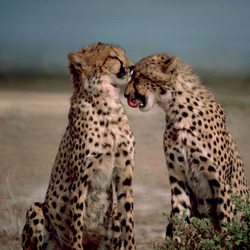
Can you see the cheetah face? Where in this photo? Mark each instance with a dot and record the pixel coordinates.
(151, 82)
(106, 64)
(119, 69)
(139, 94)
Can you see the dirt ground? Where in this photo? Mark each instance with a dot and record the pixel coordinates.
(31, 126)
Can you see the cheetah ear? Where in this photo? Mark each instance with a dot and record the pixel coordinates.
(171, 64)
(76, 60)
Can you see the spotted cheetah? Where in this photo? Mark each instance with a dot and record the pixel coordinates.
(89, 201)
(203, 162)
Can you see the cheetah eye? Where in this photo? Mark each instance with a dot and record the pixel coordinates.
(167, 61)
(122, 71)
(116, 58)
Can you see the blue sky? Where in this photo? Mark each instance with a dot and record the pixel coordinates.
(211, 35)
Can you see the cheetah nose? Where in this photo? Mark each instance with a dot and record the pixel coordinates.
(131, 67)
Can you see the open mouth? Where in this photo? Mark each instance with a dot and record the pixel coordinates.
(134, 103)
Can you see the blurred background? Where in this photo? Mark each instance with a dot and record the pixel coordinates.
(36, 36)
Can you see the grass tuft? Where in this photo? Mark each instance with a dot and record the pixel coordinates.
(199, 234)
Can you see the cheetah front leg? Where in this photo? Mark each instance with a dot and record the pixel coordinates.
(35, 234)
(124, 192)
(180, 199)
(180, 191)
(212, 191)
(180, 195)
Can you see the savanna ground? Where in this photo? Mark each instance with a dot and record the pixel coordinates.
(33, 117)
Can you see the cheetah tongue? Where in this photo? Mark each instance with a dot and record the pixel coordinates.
(133, 103)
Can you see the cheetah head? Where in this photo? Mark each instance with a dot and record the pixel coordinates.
(152, 81)
(100, 64)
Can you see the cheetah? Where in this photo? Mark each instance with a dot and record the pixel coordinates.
(89, 200)
(203, 162)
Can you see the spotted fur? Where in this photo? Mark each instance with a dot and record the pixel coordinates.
(204, 164)
(89, 201)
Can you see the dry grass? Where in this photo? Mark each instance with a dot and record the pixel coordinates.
(11, 226)
(11, 222)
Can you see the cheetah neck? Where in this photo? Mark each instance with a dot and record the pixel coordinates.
(189, 98)
(96, 92)
(109, 87)
(102, 102)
